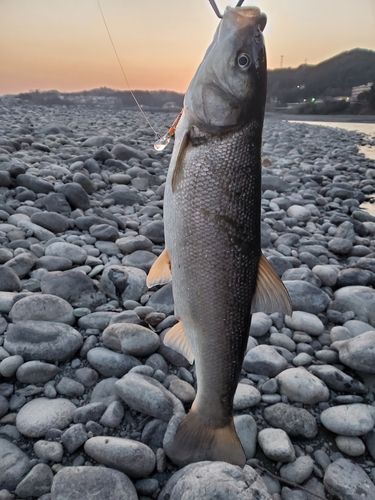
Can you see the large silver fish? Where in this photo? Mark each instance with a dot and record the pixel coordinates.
(212, 232)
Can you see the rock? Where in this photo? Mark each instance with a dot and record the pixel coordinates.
(86, 482)
(42, 340)
(359, 299)
(340, 246)
(182, 390)
(37, 482)
(301, 386)
(358, 353)
(348, 481)
(130, 244)
(131, 457)
(302, 274)
(52, 221)
(34, 184)
(72, 252)
(356, 327)
(246, 429)
(42, 307)
(74, 437)
(39, 415)
(109, 363)
(129, 283)
(36, 372)
(74, 287)
(299, 470)
(245, 396)
(296, 422)
(91, 411)
(352, 446)
(9, 281)
(146, 395)
(131, 339)
(14, 464)
(22, 264)
(54, 202)
(154, 231)
(327, 274)
(70, 388)
(337, 380)
(205, 480)
(48, 450)
(51, 263)
(264, 360)
(122, 152)
(305, 322)
(75, 195)
(348, 420)
(105, 392)
(301, 214)
(306, 297)
(104, 232)
(276, 445)
(260, 324)
(141, 259)
(113, 415)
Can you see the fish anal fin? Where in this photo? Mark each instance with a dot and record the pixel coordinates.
(160, 272)
(197, 440)
(178, 169)
(270, 294)
(177, 340)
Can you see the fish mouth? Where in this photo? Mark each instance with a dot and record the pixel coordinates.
(243, 16)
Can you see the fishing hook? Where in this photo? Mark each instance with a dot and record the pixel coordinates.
(217, 11)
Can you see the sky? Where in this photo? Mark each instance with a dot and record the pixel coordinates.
(64, 45)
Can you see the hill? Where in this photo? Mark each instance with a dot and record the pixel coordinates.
(331, 78)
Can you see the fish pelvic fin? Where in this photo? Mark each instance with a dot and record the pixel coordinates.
(197, 440)
(177, 340)
(270, 293)
(160, 272)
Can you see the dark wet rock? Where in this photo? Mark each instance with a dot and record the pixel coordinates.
(85, 182)
(75, 195)
(125, 197)
(85, 222)
(54, 202)
(9, 281)
(74, 287)
(350, 277)
(42, 340)
(104, 232)
(130, 244)
(154, 231)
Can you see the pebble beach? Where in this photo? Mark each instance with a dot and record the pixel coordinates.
(88, 391)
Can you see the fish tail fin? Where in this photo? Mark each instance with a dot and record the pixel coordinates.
(196, 440)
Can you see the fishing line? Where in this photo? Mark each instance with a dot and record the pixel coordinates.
(124, 74)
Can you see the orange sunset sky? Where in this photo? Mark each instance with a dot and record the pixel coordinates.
(63, 44)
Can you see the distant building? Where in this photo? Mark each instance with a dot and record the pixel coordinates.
(358, 90)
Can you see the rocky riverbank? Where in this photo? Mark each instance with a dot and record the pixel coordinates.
(87, 387)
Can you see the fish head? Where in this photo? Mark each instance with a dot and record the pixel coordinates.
(229, 87)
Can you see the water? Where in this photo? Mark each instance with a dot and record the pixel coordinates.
(369, 151)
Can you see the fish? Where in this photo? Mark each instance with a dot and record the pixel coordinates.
(212, 218)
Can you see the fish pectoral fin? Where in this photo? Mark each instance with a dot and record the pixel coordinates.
(197, 440)
(270, 294)
(178, 168)
(160, 272)
(177, 340)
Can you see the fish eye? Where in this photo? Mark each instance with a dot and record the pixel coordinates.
(243, 61)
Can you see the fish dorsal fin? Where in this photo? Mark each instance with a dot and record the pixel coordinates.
(160, 272)
(177, 340)
(177, 172)
(270, 294)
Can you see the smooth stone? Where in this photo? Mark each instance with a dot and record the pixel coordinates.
(305, 322)
(296, 422)
(129, 283)
(39, 415)
(52, 221)
(130, 244)
(70, 388)
(247, 431)
(306, 297)
(358, 353)
(146, 395)
(113, 415)
(162, 300)
(104, 232)
(135, 340)
(9, 281)
(75, 195)
(264, 360)
(109, 363)
(74, 437)
(348, 420)
(42, 340)
(14, 464)
(260, 324)
(87, 376)
(348, 481)
(141, 259)
(74, 287)
(37, 482)
(91, 411)
(245, 396)
(301, 386)
(22, 263)
(7, 300)
(340, 246)
(299, 470)
(206, 480)
(276, 445)
(98, 320)
(301, 214)
(34, 184)
(42, 307)
(350, 445)
(356, 327)
(72, 252)
(48, 450)
(337, 380)
(36, 372)
(123, 152)
(131, 457)
(87, 482)
(38, 232)
(184, 391)
(51, 263)
(326, 274)
(154, 231)
(105, 391)
(282, 340)
(359, 299)
(302, 274)
(10, 365)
